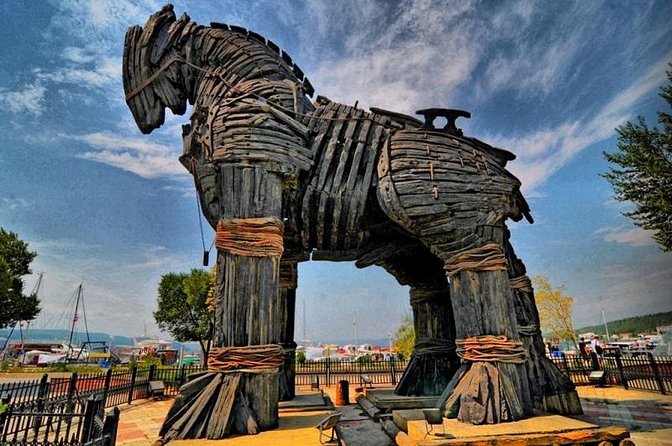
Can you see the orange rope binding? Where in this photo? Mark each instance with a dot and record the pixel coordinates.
(488, 257)
(521, 283)
(250, 237)
(253, 357)
(490, 348)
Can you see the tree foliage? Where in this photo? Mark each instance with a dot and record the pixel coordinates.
(15, 259)
(555, 309)
(183, 307)
(644, 172)
(404, 338)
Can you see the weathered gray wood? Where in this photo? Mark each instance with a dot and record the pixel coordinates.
(551, 391)
(258, 147)
(286, 308)
(483, 300)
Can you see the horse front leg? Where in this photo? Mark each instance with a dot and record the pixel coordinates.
(240, 392)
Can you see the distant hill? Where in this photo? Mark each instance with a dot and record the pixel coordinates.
(634, 325)
(40, 334)
(48, 335)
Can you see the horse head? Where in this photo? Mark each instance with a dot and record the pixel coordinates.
(153, 80)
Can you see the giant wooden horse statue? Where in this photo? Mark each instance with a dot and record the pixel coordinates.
(283, 179)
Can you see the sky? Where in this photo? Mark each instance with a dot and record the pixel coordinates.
(111, 208)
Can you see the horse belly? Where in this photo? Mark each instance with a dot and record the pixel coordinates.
(345, 148)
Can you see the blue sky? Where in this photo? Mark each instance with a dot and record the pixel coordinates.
(549, 81)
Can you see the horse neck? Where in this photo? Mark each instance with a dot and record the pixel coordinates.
(226, 59)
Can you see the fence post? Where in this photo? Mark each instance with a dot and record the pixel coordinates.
(42, 393)
(110, 426)
(90, 410)
(72, 389)
(6, 399)
(106, 388)
(328, 371)
(8, 416)
(392, 371)
(656, 372)
(565, 362)
(134, 372)
(152, 372)
(43, 389)
(621, 371)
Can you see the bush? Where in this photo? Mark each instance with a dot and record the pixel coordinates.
(365, 359)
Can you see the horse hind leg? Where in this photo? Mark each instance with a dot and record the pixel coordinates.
(551, 390)
(490, 387)
(433, 361)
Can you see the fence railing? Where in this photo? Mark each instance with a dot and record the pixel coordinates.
(643, 372)
(328, 372)
(46, 407)
(59, 423)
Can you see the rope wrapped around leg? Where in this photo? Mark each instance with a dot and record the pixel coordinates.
(289, 349)
(422, 296)
(251, 358)
(433, 346)
(521, 283)
(528, 330)
(491, 349)
(251, 237)
(488, 257)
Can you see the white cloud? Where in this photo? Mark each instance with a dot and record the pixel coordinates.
(78, 55)
(106, 72)
(89, 20)
(534, 68)
(632, 237)
(139, 156)
(13, 202)
(404, 60)
(543, 152)
(28, 100)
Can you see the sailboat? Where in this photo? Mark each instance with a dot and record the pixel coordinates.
(27, 351)
(39, 353)
(89, 351)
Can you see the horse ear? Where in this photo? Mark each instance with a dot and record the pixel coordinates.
(155, 34)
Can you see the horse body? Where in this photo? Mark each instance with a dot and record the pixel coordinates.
(343, 184)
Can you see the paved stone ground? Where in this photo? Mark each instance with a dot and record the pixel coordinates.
(648, 415)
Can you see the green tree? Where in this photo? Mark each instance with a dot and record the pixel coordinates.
(555, 309)
(15, 259)
(183, 309)
(643, 172)
(404, 338)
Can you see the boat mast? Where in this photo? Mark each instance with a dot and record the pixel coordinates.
(604, 319)
(74, 318)
(35, 292)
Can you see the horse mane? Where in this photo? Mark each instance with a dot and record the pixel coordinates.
(298, 72)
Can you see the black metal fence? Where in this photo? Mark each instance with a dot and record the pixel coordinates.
(644, 371)
(59, 423)
(328, 372)
(47, 410)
